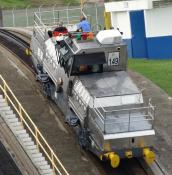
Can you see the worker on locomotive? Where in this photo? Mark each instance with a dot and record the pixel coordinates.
(84, 25)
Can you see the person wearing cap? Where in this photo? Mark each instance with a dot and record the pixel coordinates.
(84, 25)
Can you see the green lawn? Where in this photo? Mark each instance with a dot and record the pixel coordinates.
(14, 3)
(158, 71)
(7, 4)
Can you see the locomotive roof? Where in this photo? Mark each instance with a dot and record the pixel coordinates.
(83, 45)
(87, 44)
(109, 84)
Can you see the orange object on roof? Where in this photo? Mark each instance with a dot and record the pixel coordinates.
(90, 35)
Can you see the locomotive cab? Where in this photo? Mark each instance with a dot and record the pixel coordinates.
(81, 63)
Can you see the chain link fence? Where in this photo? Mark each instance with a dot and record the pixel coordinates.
(25, 17)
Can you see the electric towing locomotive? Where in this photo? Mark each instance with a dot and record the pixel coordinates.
(86, 75)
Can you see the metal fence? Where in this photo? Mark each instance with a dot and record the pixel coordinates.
(25, 17)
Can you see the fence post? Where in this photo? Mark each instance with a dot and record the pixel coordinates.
(1, 18)
(82, 5)
(27, 20)
(40, 11)
(13, 16)
(97, 23)
(67, 14)
(54, 13)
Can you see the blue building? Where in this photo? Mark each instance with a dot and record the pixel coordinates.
(146, 27)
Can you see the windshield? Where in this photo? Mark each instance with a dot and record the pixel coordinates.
(88, 63)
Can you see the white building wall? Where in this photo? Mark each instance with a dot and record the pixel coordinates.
(128, 5)
(121, 20)
(158, 22)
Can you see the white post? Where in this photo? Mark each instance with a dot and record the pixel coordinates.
(54, 13)
(67, 14)
(13, 17)
(40, 11)
(97, 23)
(27, 20)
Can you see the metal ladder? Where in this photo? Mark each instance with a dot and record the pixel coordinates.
(24, 139)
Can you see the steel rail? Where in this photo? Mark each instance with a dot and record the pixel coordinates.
(13, 48)
(154, 169)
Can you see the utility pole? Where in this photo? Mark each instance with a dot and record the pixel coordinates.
(82, 4)
(107, 18)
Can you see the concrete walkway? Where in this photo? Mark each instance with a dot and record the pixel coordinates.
(163, 120)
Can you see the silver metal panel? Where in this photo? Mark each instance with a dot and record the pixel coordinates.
(88, 44)
(128, 143)
(109, 84)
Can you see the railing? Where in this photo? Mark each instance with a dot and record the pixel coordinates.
(24, 17)
(27, 122)
(39, 29)
(65, 15)
(123, 120)
(43, 20)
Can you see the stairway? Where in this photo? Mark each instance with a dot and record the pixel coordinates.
(24, 139)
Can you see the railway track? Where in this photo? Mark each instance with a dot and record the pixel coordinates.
(16, 43)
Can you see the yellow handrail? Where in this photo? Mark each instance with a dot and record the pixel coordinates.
(23, 115)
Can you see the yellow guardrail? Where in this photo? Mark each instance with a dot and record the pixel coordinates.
(27, 122)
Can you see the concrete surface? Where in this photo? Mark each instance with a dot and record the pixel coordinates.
(163, 119)
(61, 138)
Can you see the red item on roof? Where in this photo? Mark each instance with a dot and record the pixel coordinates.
(56, 33)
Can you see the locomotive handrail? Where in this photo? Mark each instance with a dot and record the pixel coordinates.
(103, 116)
(32, 128)
(104, 110)
(129, 109)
